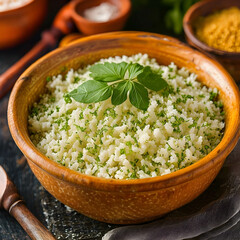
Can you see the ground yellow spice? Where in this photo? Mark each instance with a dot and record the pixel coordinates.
(220, 30)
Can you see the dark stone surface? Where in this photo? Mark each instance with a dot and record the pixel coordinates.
(68, 224)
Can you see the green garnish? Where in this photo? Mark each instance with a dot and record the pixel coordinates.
(117, 80)
(120, 92)
(67, 98)
(91, 91)
(34, 111)
(76, 79)
(138, 96)
(48, 78)
(108, 72)
(151, 80)
(122, 151)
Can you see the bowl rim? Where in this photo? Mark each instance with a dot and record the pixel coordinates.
(13, 10)
(189, 32)
(102, 184)
(122, 14)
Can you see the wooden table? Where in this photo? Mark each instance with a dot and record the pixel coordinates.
(15, 165)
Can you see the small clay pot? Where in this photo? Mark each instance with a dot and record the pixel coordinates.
(90, 27)
(230, 60)
(17, 24)
(123, 201)
(72, 13)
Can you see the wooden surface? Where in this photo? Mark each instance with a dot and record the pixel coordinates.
(36, 198)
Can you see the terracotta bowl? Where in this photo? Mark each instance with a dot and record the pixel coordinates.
(90, 27)
(230, 60)
(123, 201)
(18, 24)
(72, 13)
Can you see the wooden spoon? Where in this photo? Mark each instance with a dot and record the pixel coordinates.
(11, 201)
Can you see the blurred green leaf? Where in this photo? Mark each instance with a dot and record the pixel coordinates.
(175, 13)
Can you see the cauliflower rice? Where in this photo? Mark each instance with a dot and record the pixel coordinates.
(183, 124)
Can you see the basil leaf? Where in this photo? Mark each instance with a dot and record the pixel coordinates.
(108, 72)
(120, 92)
(138, 96)
(151, 80)
(134, 69)
(98, 89)
(91, 92)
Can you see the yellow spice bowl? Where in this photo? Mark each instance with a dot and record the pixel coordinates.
(123, 201)
(230, 60)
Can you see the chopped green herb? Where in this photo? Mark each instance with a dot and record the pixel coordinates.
(206, 147)
(81, 115)
(169, 147)
(34, 111)
(58, 121)
(213, 96)
(193, 125)
(167, 91)
(129, 144)
(110, 112)
(67, 98)
(48, 78)
(50, 113)
(76, 79)
(82, 129)
(122, 151)
(161, 114)
(133, 175)
(94, 113)
(65, 127)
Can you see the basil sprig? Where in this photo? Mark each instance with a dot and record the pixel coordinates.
(118, 80)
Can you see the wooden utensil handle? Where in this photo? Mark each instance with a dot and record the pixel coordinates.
(48, 41)
(12, 202)
(30, 224)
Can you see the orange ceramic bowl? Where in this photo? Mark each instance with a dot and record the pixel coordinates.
(18, 24)
(123, 201)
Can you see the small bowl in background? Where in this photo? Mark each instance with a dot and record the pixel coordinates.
(230, 60)
(89, 27)
(17, 24)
